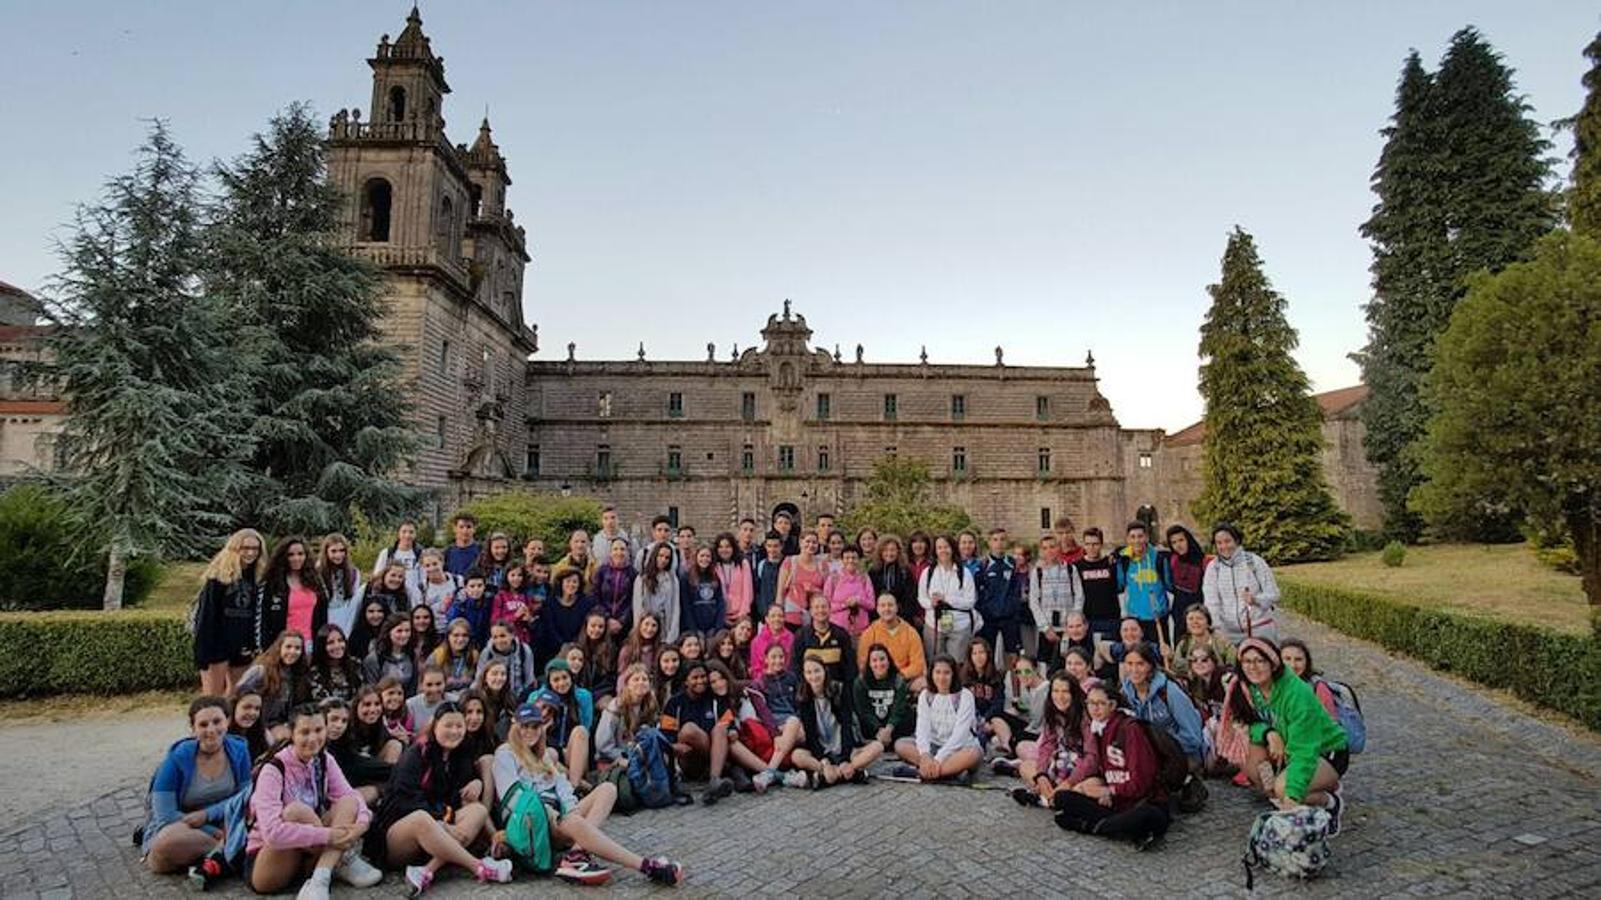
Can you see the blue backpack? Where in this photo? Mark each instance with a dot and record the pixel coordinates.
(650, 769)
(1348, 712)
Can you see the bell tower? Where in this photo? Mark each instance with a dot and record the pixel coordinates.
(408, 80)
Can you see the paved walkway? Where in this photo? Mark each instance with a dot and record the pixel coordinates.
(1457, 795)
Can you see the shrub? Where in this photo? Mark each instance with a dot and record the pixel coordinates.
(93, 653)
(529, 514)
(1555, 670)
(1394, 554)
(1362, 541)
(42, 562)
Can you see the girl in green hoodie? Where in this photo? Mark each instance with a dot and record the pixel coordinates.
(1298, 753)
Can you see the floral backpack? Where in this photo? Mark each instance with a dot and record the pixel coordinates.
(1293, 843)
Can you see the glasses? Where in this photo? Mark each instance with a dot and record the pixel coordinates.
(1253, 661)
(1098, 703)
(1200, 658)
(1025, 671)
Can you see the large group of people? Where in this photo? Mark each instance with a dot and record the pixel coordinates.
(483, 703)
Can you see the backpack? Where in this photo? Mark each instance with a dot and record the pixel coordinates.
(1293, 843)
(270, 758)
(528, 830)
(1173, 767)
(650, 769)
(1348, 712)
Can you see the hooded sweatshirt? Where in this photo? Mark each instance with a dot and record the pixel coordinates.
(663, 602)
(177, 772)
(1301, 721)
(946, 721)
(1117, 752)
(303, 782)
(881, 702)
(904, 644)
(520, 672)
(1169, 708)
(1139, 580)
(1221, 587)
(739, 588)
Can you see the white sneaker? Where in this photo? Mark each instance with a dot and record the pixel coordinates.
(356, 871)
(795, 778)
(314, 889)
(495, 870)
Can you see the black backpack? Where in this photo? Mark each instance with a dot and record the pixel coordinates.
(1173, 769)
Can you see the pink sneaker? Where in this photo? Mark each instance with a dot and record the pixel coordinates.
(495, 870)
(418, 880)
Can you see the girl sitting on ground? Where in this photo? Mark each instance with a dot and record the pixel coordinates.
(946, 745)
(826, 753)
(527, 771)
(1027, 697)
(668, 675)
(397, 719)
(987, 682)
(641, 647)
(725, 651)
(368, 625)
(1198, 632)
(599, 674)
(1115, 790)
(481, 740)
(425, 635)
(778, 686)
(1079, 664)
(1298, 752)
(882, 706)
(572, 731)
(506, 648)
(1056, 754)
(1298, 659)
(288, 832)
(633, 708)
(1151, 697)
(495, 686)
(741, 715)
(280, 676)
(773, 631)
(190, 792)
(434, 810)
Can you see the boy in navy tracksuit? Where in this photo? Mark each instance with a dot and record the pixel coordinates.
(1000, 597)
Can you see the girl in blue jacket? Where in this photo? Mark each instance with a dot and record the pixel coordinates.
(190, 794)
(1151, 697)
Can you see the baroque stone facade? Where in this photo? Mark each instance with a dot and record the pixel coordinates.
(710, 441)
(433, 215)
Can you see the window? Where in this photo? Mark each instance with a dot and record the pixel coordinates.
(1042, 407)
(672, 517)
(397, 103)
(891, 407)
(377, 197)
(446, 229)
(475, 200)
(747, 406)
(531, 463)
(675, 405)
(958, 459)
(489, 370)
(444, 356)
(958, 407)
(822, 459)
(1045, 461)
(439, 431)
(890, 451)
(747, 458)
(786, 458)
(603, 460)
(824, 404)
(603, 408)
(1045, 518)
(1145, 460)
(675, 459)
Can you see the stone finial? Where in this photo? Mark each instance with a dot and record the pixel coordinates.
(734, 354)
(641, 351)
(923, 356)
(999, 356)
(836, 353)
(572, 351)
(786, 309)
(355, 114)
(1089, 358)
(711, 352)
(858, 353)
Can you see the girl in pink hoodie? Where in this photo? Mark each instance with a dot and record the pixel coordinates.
(772, 632)
(735, 575)
(851, 600)
(515, 605)
(304, 808)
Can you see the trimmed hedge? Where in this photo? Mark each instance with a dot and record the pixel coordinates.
(94, 653)
(1552, 669)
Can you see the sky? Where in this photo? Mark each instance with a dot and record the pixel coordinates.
(1051, 177)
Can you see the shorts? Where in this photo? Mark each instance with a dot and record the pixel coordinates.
(248, 870)
(1340, 760)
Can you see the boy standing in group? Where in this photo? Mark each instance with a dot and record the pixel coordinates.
(462, 554)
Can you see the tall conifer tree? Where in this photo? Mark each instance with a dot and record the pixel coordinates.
(1462, 187)
(1584, 199)
(1263, 467)
(157, 412)
(330, 426)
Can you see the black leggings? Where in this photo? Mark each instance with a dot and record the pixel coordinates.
(1077, 812)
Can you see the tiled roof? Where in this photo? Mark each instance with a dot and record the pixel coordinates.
(1333, 403)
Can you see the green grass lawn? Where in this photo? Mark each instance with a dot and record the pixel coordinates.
(1502, 581)
(177, 588)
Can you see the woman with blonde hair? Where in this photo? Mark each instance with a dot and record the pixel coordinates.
(225, 612)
